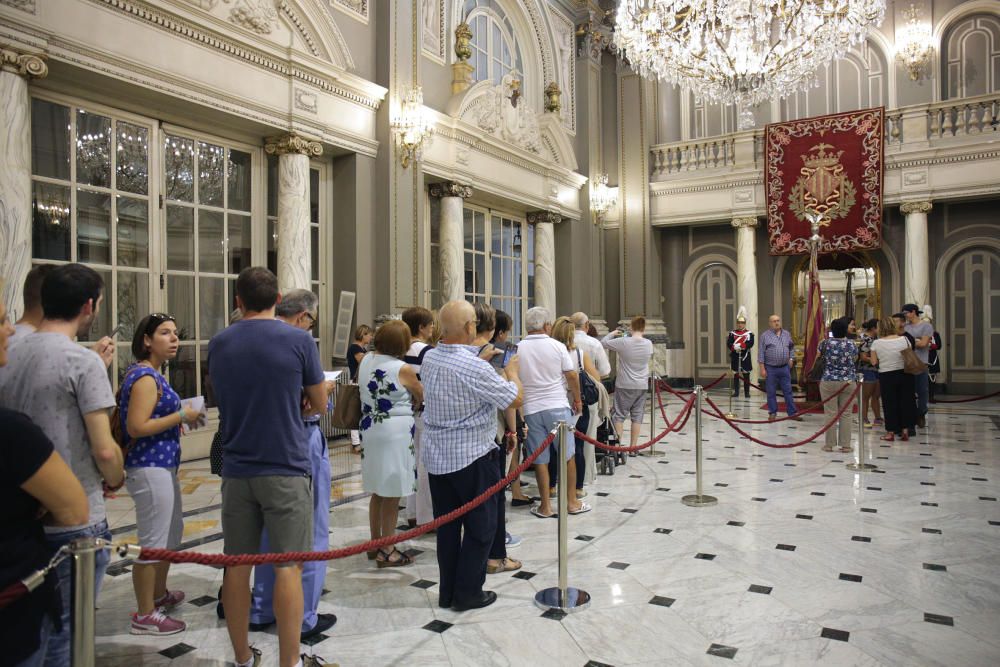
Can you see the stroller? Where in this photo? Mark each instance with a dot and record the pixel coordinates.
(607, 461)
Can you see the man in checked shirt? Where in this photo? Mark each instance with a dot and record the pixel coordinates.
(461, 396)
(775, 357)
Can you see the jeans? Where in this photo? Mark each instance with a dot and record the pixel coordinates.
(57, 648)
(922, 386)
(779, 375)
(37, 659)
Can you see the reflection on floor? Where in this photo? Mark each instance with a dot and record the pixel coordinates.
(801, 561)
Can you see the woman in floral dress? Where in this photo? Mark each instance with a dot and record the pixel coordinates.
(389, 392)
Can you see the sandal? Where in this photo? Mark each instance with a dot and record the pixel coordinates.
(523, 502)
(537, 512)
(827, 449)
(888, 437)
(582, 509)
(508, 564)
(385, 559)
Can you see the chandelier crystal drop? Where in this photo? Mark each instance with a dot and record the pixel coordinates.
(741, 52)
(412, 126)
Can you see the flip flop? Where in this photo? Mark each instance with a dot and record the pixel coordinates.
(582, 509)
(536, 512)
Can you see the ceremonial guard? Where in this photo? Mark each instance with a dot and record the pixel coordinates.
(739, 343)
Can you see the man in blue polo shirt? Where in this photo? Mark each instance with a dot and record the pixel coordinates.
(259, 368)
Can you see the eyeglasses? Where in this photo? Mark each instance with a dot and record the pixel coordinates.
(155, 320)
(312, 319)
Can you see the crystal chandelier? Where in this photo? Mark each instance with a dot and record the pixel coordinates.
(412, 126)
(916, 44)
(602, 198)
(741, 52)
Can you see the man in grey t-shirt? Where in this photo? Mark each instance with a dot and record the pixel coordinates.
(632, 379)
(922, 333)
(63, 387)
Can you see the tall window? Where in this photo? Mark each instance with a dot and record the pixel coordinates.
(495, 52)
(91, 203)
(970, 57)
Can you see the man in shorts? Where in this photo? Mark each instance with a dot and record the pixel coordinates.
(259, 368)
(632, 381)
(546, 371)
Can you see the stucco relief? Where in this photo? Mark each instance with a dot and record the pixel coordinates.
(432, 39)
(563, 37)
(359, 7)
(260, 16)
(493, 112)
(23, 5)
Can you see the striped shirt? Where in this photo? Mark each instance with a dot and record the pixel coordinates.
(775, 349)
(461, 396)
(415, 355)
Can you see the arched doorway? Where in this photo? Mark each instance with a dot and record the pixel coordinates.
(972, 318)
(714, 302)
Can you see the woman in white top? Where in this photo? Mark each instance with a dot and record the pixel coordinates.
(896, 385)
(421, 323)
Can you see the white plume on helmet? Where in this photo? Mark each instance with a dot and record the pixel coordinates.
(741, 314)
(928, 313)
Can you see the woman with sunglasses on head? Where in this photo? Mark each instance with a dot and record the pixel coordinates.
(151, 416)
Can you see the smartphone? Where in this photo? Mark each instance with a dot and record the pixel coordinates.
(117, 331)
(507, 354)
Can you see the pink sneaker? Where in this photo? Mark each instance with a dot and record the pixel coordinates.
(156, 623)
(169, 600)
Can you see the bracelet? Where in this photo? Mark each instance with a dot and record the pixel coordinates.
(506, 433)
(181, 413)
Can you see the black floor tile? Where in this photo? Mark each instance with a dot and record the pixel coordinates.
(926, 504)
(987, 498)
(437, 626)
(932, 531)
(177, 650)
(722, 651)
(939, 619)
(861, 538)
(740, 468)
(765, 590)
(927, 484)
(839, 635)
(807, 517)
(662, 488)
(874, 488)
(663, 531)
(979, 479)
(856, 578)
(702, 556)
(523, 574)
(722, 484)
(817, 493)
(617, 566)
(602, 494)
(935, 567)
(413, 553)
(594, 663)
(203, 601)
(785, 547)
(828, 475)
(775, 479)
(629, 510)
(735, 523)
(870, 510)
(995, 523)
(759, 500)
(631, 476)
(585, 538)
(322, 637)
(423, 583)
(661, 601)
(325, 591)
(555, 614)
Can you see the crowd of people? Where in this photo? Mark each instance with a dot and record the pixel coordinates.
(449, 405)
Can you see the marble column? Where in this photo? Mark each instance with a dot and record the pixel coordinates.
(917, 261)
(15, 172)
(746, 271)
(451, 239)
(293, 243)
(545, 258)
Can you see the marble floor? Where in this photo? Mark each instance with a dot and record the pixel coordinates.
(802, 561)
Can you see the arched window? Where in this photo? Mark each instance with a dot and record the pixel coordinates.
(495, 51)
(714, 309)
(970, 57)
(856, 81)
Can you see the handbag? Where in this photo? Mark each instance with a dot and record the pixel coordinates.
(819, 365)
(912, 365)
(588, 390)
(347, 408)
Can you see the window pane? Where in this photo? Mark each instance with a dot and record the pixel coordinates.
(314, 250)
(178, 164)
(133, 301)
(497, 234)
(93, 227)
(180, 304)
(180, 238)
(212, 309)
(239, 242)
(182, 372)
(272, 185)
(467, 228)
(272, 246)
(470, 280)
(480, 274)
(480, 231)
(93, 149)
(133, 232)
(314, 196)
(211, 241)
(211, 168)
(101, 325)
(50, 226)
(50, 132)
(240, 196)
(497, 287)
(132, 158)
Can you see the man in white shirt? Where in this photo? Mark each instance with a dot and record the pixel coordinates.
(632, 381)
(546, 370)
(590, 345)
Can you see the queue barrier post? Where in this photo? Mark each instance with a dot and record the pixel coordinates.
(861, 464)
(653, 379)
(83, 552)
(732, 394)
(563, 597)
(698, 499)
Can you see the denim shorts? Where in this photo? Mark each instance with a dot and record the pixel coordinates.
(870, 374)
(540, 424)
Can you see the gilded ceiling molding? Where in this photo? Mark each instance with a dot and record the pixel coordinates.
(535, 217)
(292, 143)
(906, 208)
(28, 65)
(747, 221)
(449, 189)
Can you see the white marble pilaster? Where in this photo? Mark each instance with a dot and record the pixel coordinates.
(15, 172)
(545, 258)
(917, 269)
(746, 270)
(451, 241)
(293, 243)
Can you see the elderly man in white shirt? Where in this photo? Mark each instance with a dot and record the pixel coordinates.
(547, 371)
(591, 346)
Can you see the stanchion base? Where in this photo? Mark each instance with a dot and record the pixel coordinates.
(730, 415)
(694, 500)
(861, 466)
(650, 452)
(553, 598)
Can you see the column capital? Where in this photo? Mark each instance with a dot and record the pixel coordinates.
(292, 142)
(916, 207)
(449, 189)
(28, 65)
(535, 217)
(750, 222)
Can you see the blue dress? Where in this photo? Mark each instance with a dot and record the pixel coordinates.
(388, 465)
(160, 450)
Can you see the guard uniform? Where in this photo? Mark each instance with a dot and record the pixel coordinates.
(740, 362)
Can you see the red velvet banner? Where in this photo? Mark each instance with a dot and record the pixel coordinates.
(829, 166)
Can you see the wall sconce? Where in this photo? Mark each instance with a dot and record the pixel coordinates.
(915, 44)
(602, 198)
(412, 126)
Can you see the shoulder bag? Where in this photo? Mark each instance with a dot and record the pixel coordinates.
(912, 365)
(588, 390)
(819, 365)
(347, 408)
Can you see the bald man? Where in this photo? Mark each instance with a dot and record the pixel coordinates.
(461, 396)
(775, 356)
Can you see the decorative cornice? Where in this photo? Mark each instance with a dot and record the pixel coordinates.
(23, 5)
(28, 65)
(292, 143)
(536, 217)
(657, 188)
(748, 222)
(449, 189)
(915, 207)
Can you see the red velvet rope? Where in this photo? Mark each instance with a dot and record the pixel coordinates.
(967, 400)
(685, 412)
(823, 430)
(12, 594)
(815, 408)
(344, 552)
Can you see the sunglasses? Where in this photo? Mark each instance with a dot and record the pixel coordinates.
(155, 320)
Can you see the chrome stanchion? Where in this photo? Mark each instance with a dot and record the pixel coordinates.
(731, 414)
(84, 554)
(698, 499)
(652, 416)
(563, 597)
(861, 465)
